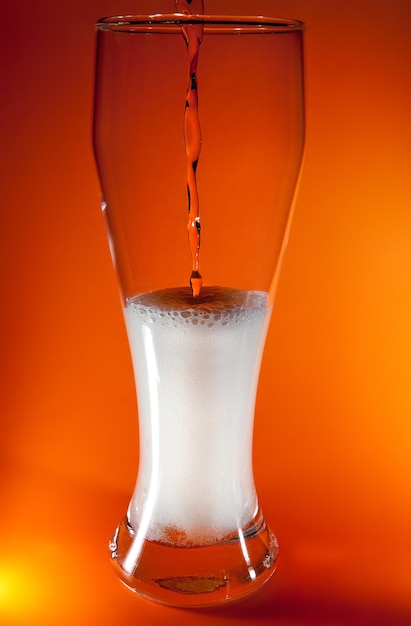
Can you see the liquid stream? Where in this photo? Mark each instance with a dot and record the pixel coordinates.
(192, 34)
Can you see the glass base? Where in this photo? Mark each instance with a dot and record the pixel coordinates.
(198, 576)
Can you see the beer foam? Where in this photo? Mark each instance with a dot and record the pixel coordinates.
(196, 364)
(214, 307)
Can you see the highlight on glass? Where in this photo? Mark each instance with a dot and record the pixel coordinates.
(198, 141)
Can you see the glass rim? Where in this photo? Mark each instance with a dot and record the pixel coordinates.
(222, 24)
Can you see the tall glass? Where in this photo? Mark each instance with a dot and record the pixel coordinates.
(197, 112)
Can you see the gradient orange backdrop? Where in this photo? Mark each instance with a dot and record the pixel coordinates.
(333, 423)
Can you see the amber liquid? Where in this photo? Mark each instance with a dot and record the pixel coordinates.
(199, 575)
(192, 34)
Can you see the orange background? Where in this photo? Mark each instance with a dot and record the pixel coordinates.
(333, 428)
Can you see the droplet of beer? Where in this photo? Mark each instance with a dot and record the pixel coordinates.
(195, 282)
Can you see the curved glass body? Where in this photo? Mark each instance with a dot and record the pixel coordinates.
(204, 113)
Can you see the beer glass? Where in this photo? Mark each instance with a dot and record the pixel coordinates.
(198, 132)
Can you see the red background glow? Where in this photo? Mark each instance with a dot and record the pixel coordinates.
(333, 422)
